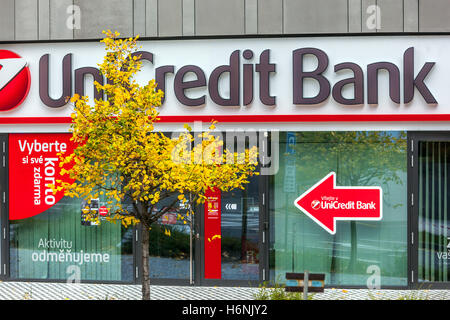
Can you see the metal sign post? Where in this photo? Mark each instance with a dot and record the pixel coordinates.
(305, 282)
(305, 285)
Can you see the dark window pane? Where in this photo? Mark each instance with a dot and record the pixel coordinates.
(57, 245)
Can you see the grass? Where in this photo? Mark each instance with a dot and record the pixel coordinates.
(277, 292)
(413, 295)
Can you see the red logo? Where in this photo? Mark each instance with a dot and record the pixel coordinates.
(15, 80)
(103, 211)
(315, 204)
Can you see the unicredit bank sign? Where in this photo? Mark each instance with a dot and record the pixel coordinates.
(236, 80)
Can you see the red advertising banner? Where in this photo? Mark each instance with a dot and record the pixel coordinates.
(213, 243)
(33, 165)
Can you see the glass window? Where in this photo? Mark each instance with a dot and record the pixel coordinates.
(58, 244)
(169, 248)
(433, 199)
(360, 250)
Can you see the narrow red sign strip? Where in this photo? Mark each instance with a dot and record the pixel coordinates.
(213, 243)
(262, 118)
(325, 203)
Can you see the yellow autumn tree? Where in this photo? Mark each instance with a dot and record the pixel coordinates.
(121, 157)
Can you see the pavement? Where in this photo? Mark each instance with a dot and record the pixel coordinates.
(73, 291)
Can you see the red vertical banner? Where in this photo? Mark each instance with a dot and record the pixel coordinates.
(33, 165)
(213, 243)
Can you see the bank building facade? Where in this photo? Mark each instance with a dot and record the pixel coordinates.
(348, 102)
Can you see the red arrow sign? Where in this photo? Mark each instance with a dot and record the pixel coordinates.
(325, 203)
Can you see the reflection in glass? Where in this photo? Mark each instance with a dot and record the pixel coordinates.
(240, 251)
(358, 247)
(240, 233)
(433, 202)
(57, 245)
(169, 252)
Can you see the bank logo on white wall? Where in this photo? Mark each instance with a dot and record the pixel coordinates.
(14, 80)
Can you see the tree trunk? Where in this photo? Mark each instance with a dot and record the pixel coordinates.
(145, 264)
(244, 227)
